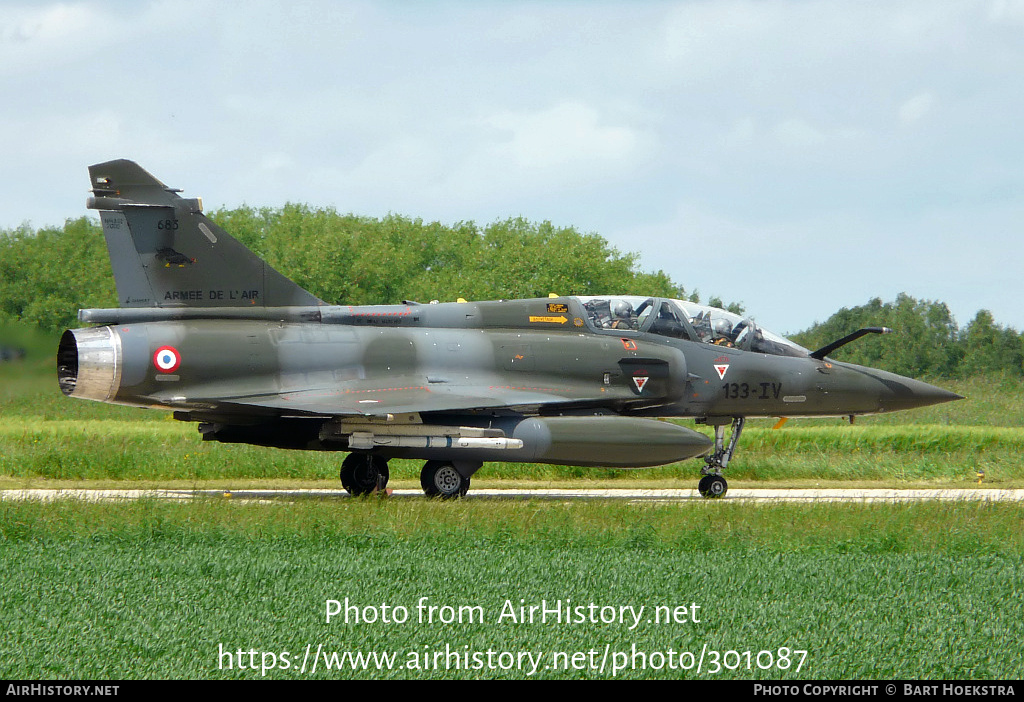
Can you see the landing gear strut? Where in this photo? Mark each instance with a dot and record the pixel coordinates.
(364, 473)
(442, 479)
(713, 484)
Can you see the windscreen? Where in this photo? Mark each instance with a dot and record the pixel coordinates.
(682, 319)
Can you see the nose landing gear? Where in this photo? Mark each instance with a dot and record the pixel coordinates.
(713, 484)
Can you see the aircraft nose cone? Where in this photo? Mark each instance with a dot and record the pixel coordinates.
(906, 393)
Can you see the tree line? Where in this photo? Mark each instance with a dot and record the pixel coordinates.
(927, 340)
(46, 275)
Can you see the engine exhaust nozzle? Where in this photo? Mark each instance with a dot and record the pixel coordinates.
(89, 363)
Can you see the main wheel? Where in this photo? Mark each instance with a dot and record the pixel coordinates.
(362, 474)
(712, 486)
(440, 479)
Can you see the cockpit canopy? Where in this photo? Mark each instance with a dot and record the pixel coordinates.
(685, 320)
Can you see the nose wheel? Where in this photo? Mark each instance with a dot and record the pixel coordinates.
(713, 484)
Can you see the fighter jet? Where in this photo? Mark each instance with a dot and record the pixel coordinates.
(208, 330)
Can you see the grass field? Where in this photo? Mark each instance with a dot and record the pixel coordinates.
(165, 450)
(161, 590)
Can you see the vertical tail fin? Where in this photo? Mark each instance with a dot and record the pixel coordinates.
(166, 253)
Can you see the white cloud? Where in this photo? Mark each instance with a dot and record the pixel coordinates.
(568, 135)
(798, 134)
(777, 123)
(916, 108)
(46, 24)
(1009, 11)
(34, 37)
(37, 39)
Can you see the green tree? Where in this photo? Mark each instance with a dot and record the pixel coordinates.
(988, 347)
(357, 260)
(47, 275)
(925, 340)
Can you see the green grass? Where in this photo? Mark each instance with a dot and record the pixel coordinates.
(885, 591)
(165, 450)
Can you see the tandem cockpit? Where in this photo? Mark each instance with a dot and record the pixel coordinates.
(681, 319)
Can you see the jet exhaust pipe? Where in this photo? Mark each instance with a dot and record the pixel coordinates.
(89, 363)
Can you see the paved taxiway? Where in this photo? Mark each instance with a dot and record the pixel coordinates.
(664, 495)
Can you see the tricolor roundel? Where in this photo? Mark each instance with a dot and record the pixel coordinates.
(167, 359)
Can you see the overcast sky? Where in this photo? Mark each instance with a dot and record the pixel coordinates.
(797, 157)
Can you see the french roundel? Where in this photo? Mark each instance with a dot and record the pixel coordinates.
(167, 359)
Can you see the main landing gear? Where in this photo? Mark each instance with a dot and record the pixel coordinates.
(365, 474)
(713, 484)
(442, 479)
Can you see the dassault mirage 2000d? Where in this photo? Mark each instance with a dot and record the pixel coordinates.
(210, 331)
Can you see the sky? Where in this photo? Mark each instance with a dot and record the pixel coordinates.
(796, 157)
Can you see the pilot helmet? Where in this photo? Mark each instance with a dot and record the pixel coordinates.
(621, 308)
(722, 326)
